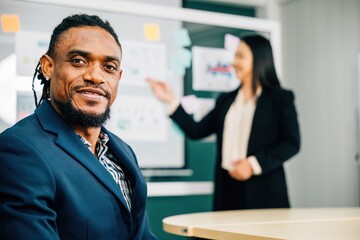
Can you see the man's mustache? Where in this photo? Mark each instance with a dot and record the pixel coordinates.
(107, 94)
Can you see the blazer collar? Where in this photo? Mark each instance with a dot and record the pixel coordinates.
(259, 114)
(70, 142)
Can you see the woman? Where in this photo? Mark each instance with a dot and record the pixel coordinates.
(256, 127)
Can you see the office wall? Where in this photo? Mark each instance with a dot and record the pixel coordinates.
(321, 40)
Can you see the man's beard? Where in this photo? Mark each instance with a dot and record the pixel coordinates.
(80, 117)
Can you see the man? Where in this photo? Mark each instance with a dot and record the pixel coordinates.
(63, 175)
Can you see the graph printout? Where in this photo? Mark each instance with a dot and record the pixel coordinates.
(212, 70)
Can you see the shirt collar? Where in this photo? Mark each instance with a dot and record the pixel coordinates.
(258, 92)
(103, 139)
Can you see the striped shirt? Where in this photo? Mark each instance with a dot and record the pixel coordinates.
(110, 163)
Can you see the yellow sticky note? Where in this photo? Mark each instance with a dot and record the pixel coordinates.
(10, 23)
(152, 32)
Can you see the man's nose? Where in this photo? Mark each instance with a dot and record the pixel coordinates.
(94, 74)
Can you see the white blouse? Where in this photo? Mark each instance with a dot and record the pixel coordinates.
(237, 120)
(236, 133)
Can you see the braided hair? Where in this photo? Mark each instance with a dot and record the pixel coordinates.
(77, 20)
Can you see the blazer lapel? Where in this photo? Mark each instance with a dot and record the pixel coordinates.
(122, 155)
(70, 142)
(128, 163)
(258, 115)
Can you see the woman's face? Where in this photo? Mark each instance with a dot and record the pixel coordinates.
(243, 63)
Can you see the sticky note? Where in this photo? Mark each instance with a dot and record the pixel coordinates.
(177, 67)
(231, 42)
(183, 56)
(10, 23)
(182, 37)
(152, 32)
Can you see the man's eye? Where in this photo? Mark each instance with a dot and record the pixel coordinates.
(77, 61)
(110, 67)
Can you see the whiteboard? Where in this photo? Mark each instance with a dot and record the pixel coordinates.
(156, 141)
(128, 19)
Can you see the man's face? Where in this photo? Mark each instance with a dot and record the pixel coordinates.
(85, 72)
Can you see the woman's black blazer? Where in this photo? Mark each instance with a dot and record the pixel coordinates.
(274, 138)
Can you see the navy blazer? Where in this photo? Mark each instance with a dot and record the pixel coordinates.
(274, 138)
(53, 187)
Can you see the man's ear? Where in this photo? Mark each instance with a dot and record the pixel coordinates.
(46, 65)
(120, 74)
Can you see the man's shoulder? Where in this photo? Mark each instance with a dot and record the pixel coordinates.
(24, 134)
(25, 127)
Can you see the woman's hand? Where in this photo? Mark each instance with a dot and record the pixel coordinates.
(161, 90)
(242, 170)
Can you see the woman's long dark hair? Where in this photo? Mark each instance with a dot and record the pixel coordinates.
(263, 62)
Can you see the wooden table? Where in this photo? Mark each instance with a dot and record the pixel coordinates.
(300, 223)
